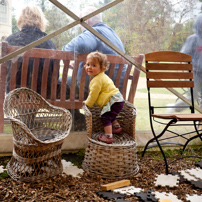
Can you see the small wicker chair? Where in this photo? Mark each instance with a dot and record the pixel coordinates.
(39, 130)
(111, 161)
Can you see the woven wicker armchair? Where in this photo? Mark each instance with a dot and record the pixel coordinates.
(111, 161)
(39, 130)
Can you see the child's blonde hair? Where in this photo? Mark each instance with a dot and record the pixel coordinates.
(102, 59)
(32, 16)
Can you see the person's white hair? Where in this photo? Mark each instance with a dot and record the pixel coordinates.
(32, 16)
(95, 19)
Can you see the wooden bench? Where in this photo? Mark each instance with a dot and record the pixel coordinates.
(62, 57)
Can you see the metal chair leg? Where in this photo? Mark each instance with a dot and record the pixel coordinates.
(158, 143)
(145, 148)
(192, 138)
(164, 156)
(158, 136)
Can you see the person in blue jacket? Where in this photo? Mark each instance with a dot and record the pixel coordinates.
(193, 47)
(87, 42)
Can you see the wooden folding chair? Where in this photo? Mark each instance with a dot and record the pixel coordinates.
(169, 69)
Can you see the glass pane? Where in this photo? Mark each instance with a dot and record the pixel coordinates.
(141, 26)
(3, 12)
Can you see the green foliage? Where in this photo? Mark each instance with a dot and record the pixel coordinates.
(142, 119)
(163, 91)
(75, 158)
(172, 154)
(14, 24)
(57, 19)
(8, 129)
(4, 175)
(143, 25)
(193, 151)
(81, 153)
(3, 162)
(180, 34)
(146, 26)
(41, 3)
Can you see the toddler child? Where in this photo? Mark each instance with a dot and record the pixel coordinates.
(104, 93)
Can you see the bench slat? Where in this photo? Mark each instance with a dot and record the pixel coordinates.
(25, 64)
(111, 70)
(45, 78)
(35, 74)
(13, 73)
(118, 76)
(82, 85)
(64, 80)
(125, 82)
(73, 80)
(135, 79)
(55, 74)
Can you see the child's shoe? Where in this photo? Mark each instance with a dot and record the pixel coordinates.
(116, 128)
(105, 139)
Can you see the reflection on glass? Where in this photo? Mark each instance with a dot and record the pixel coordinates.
(3, 12)
(142, 27)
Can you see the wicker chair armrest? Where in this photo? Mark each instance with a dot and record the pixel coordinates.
(88, 117)
(24, 131)
(19, 123)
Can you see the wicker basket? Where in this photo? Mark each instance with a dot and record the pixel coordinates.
(39, 130)
(111, 161)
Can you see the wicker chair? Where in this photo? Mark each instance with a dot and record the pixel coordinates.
(39, 130)
(111, 161)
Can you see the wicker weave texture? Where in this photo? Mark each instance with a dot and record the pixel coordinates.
(39, 130)
(111, 161)
(126, 119)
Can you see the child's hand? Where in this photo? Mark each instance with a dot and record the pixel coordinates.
(83, 103)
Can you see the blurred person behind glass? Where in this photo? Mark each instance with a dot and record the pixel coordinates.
(87, 42)
(32, 24)
(193, 47)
